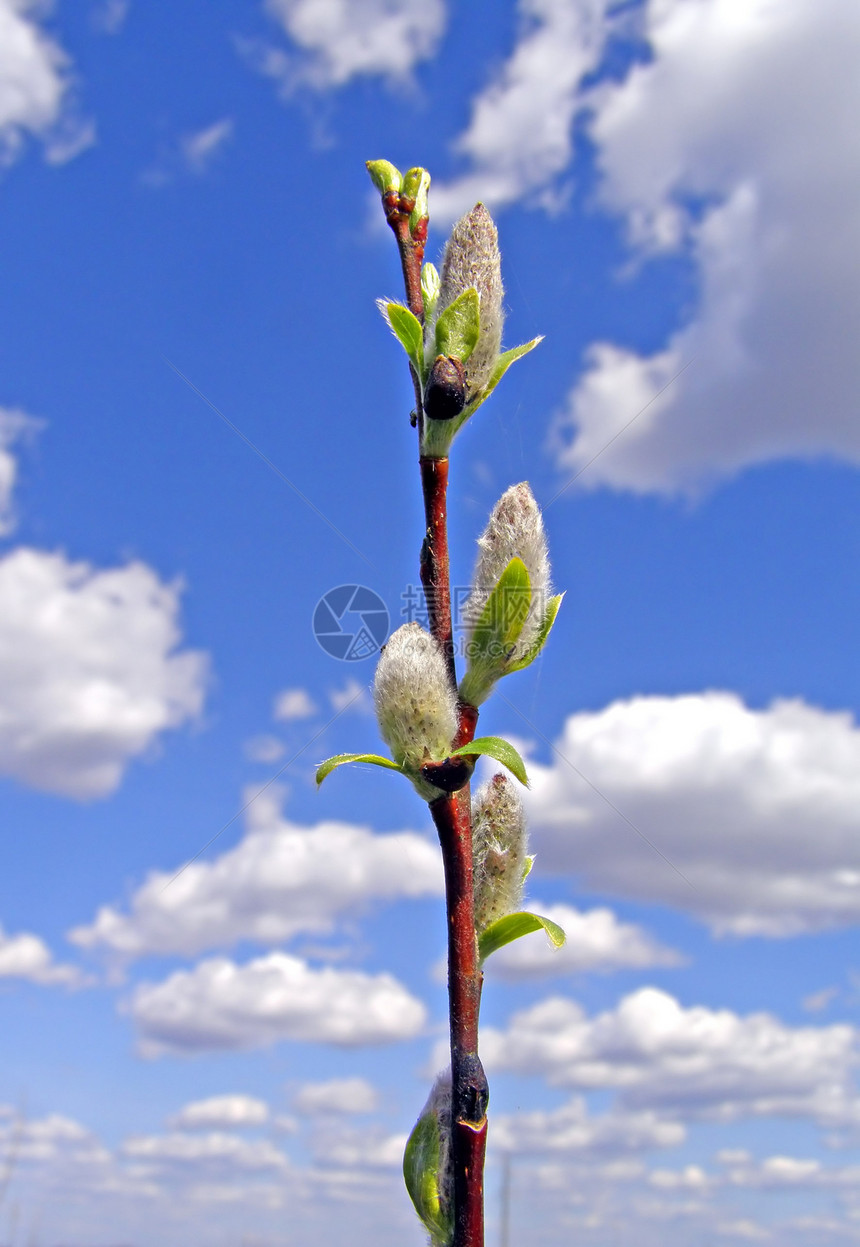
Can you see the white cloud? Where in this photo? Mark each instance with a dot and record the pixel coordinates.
(264, 749)
(200, 147)
(26, 956)
(337, 40)
(571, 1128)
(363, 1149)
(293, 703)
(753, 816)
(735, 145)
(280, 880)
(353, 696)
(818, 1001)
(337, 1095)
(35, 83)
(221, 1005)
(109, 16)
(89, 670)
(192, 153)
(596, 942)
(519, 138)
(14, 425)
(214, 1149)
(224, 1112)
(685, 1062)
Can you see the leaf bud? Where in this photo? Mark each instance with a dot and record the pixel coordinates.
(416, 184)
(428, 1167)
(499, 860)
(386, 178)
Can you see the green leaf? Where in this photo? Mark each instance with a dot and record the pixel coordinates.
(340, 759)
(540, 640)
(501, 621)
(504, 362)
(458, 327)
(512, 927)
(494, 747)
(421, 1175)
(406, 328)
(496, 632)
(430, 282)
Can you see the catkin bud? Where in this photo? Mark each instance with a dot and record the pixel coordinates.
(428, 1164)
(472, 259)
(415, 703)
(498, 851)
(514, 530)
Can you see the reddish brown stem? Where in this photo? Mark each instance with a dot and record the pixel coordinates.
(453, 819)
(435, 576)
(452, 813)
(410, 244)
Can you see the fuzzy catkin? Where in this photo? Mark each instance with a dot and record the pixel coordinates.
(440, 1103)
(472, 259)
(498, 851)
(415, 704)
(514, 530)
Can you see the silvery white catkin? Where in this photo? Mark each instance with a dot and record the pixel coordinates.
(415, 703)
(514, 530)
(498, 851)
(472, 259)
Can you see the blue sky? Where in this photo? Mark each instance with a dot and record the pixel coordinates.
(204, 428)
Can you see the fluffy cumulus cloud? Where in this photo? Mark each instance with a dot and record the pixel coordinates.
(221, 1112)
(90, 670)
(293, 703)
(63, 1184)
(26, 956)
(596, 942)
(571, 1128)
(336, 1095)
(749, 819)
(336, 40)
(222, 1005)
(519, 139)
(279, 881)
(734, 146)
(14, 425)
(685, 1063)
(35, 87)
(215, 1151)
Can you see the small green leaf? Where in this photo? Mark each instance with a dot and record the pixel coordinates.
(340, 759)
(406, 328)
(494, 747)
(430, 282)
(505, 360)
(458, 326)
(496, 632)
(385, 176)
(501, 621)
(512, 927)
(421, 1174)
(528, 866)
(540, 640)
